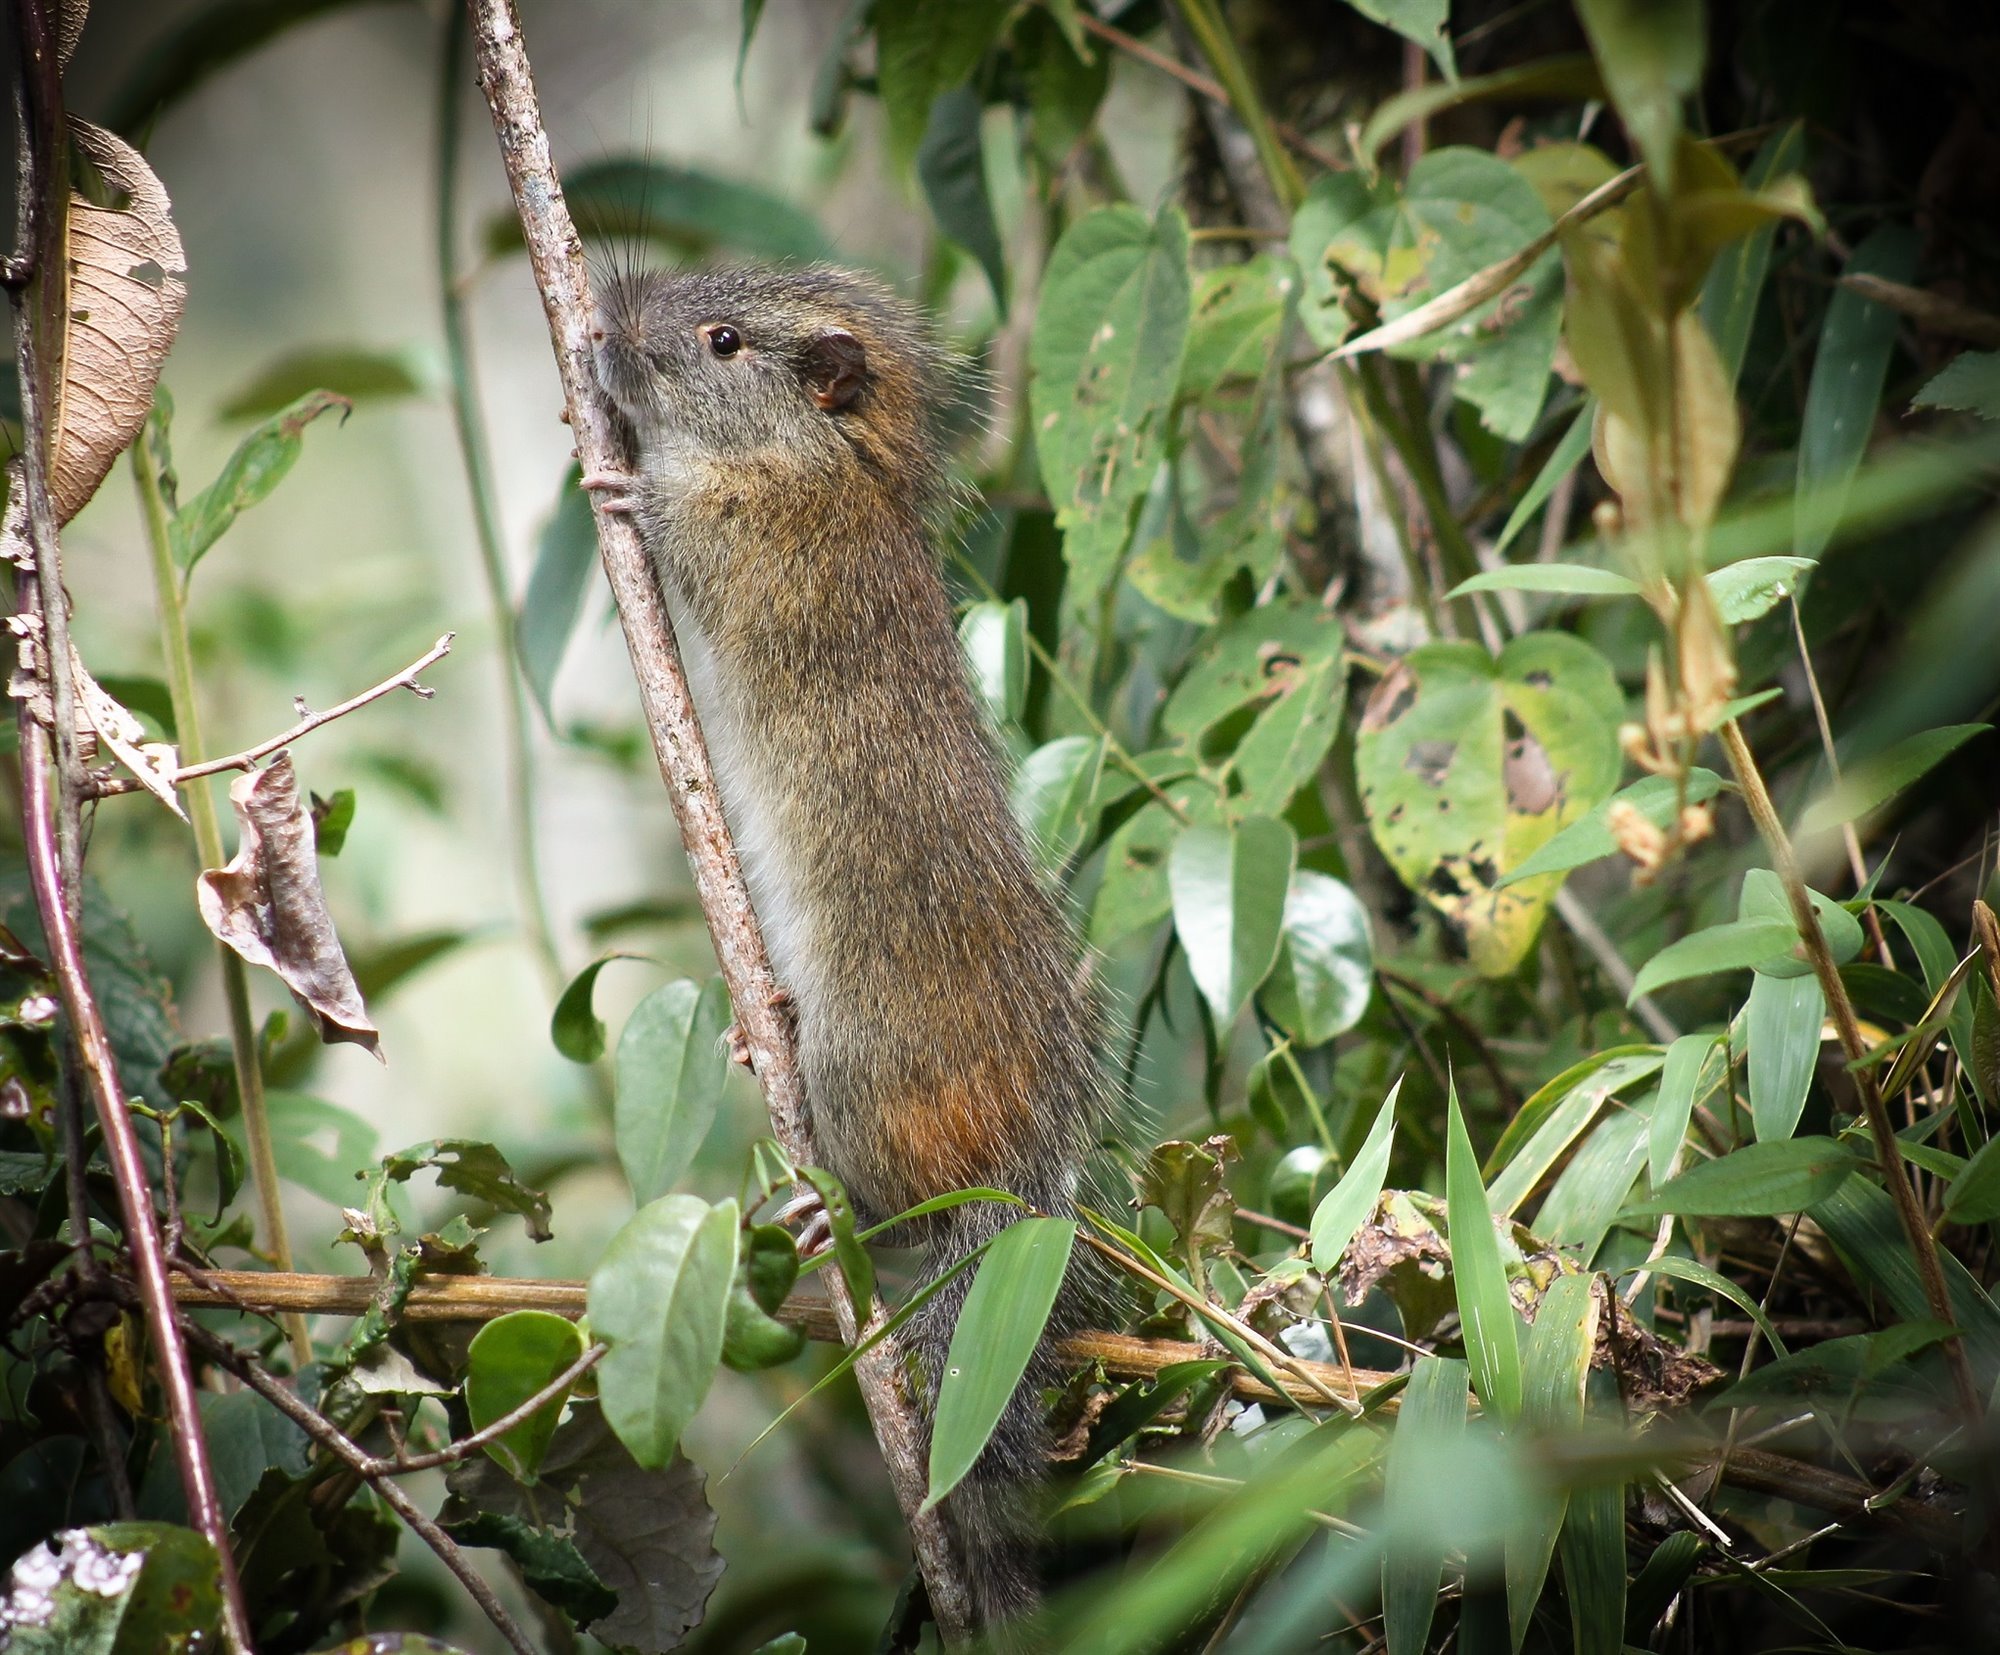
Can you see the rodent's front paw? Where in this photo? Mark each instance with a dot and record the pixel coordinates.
(617, 491)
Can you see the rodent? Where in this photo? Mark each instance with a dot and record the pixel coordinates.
(790, 485)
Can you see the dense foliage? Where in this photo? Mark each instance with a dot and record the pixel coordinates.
(1488, 584)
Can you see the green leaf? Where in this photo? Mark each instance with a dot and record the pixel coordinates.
(951, 166)
(1325, 969)
(1734, 946)
(1458, 214)
(1229, 886)
(1133, 892)
(1467, 765)
(119, 1588)
(994, 637)
(671, 1066)
(1284, 749)
(1849, 370)
(1485, 1307)
(511, 1359)
(1053, 797)
(1566, 457)
(1745, 590)
(1588, 1198)
(565, 555)
(1680, 1090)
(1250, 661)
(256, 467)
(1970, 383)
(1427, 22)
(331, 818)
(1593, 1557)
(1346, 1206)
(475, 1169)
(688, 213)
(1110, 331)
(1066, 80)
(1429, 1425)
(1760, 1180)
(1238, 314)
(1877, 779)
(1578, 579)
(198, 45)
(1735, 282)
(1650, 53)
(1625, 1063)
(659, 1299)
(1006, 1311)
(1560, 1127)
(768, 1267)
(1974, 1196)
(353, 374)
(1553, 1374)
(1695, 1272)
(1782, 1029)
(852, 1257)
(1763, 898)
(753, 14)
(1657, 798)
(923, 50)
(575, 1029)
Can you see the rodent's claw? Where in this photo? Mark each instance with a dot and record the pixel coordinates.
(739, 1047)
(816, 1233)
(617, 488)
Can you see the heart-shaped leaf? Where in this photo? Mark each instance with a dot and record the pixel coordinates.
(1469, 764)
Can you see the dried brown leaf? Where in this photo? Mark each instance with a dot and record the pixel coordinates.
(268, 906)
(69, 17)
(152, 762)
(124, 306)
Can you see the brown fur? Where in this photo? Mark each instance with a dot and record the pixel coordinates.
(943, 1040)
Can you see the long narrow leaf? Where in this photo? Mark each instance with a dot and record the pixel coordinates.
(1680, 1090)
(1346, 1206)
(1552, 1402)
(1485, 1307)
(1431, 1421)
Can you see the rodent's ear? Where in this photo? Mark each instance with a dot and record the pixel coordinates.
(836, 369)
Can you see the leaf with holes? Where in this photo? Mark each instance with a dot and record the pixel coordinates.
(1460, 212)
(124, 269)
(1110, 332)
(1468, 765)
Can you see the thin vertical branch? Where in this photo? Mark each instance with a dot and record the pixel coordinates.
(476, 451)
(556, 255)
(51, 825)
(170, 596)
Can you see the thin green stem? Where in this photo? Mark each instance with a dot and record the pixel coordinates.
(170, 593)
(1205, 23)
(477, 454)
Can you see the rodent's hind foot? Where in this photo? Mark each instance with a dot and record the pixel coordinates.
(617, 491)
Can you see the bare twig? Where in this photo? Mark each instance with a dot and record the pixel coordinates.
(1573, 912)
(378, 1476)
(461, 1447)
(51, 825)
(1195, 81)
(308, 722)
(555, 253)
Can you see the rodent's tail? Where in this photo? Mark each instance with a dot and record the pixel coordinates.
(992, 1513)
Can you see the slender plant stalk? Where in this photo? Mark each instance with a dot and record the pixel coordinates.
(1930, 1269)
(1204, 21)
(556, 257)
(476, 451)
(170, 596)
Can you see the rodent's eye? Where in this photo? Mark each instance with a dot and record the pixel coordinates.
(724, 340)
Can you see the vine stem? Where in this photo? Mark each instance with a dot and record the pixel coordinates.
(476, 452)
(170, 595)
(51, 826)
(555, 254)
(1930, 1269)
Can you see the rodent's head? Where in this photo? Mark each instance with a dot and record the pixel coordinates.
(815, 367)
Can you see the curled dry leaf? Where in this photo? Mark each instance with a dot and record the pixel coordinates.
(124, 306)
(268, 906)
(69, 16)
(152, 762)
